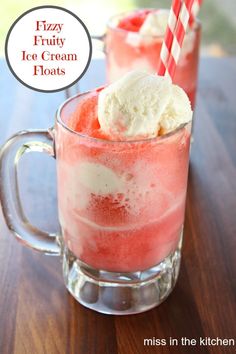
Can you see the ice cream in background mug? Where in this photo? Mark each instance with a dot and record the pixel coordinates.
(133, 41)
(122, 166)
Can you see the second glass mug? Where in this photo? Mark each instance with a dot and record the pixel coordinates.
(121, 210)
(126, 50)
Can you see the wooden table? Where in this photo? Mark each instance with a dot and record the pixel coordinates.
(37, 315)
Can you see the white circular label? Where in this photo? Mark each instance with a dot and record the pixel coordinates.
(48, 48)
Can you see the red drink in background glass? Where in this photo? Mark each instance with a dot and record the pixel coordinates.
(126, 49)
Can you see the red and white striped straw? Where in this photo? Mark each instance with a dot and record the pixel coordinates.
(169, 35)
(178, 36)
(195, 9)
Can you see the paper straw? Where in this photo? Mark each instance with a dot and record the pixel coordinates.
(195, 10)
(168, 39)
(179, 34)
(178, 37)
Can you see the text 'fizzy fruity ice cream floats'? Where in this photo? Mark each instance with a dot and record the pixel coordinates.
(122, 174)
(134, 40)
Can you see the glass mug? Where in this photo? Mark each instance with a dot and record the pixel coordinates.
(126, 51)
(121, 211)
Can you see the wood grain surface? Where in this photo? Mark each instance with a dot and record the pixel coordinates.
(37, 315)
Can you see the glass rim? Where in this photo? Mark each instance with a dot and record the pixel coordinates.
(159, 138)
(111, 25)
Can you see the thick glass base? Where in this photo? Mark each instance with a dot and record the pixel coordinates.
(121, 293)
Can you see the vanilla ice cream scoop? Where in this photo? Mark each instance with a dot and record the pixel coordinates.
(139, 105)
(155, 23)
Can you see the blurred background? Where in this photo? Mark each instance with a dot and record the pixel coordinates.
(218, 17)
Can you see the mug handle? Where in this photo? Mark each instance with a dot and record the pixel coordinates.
(10, 155)
(101, 40)
(70, 91)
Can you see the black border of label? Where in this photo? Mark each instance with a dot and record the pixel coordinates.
(58, 8)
